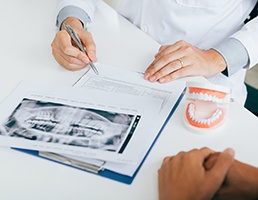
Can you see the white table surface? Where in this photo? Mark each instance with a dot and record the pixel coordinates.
(25, 54)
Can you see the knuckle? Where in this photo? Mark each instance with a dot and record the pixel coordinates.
(59, 33)
(181, 153)
(182, 43)
(52, 45)
(205, 148)
(166, 159)
(165, 58)
(188, 49)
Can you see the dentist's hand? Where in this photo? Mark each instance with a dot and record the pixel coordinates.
(183, 59)
(66, 52)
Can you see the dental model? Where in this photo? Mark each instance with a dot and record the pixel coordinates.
(206, 105)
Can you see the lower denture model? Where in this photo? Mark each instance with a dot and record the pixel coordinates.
(206, 106)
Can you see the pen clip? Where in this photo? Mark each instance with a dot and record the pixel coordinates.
(72, 162)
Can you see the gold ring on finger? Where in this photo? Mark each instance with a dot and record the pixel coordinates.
(181, 62)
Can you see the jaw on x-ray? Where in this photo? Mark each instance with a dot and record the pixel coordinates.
(63, 124)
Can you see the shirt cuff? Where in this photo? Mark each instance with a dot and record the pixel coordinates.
(235, 55)
(72, 11)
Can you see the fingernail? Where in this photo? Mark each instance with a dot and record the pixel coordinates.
(92, 56)
(162, 80)
(146, 76)
(230, 151)
(152, 78)
(85, 60)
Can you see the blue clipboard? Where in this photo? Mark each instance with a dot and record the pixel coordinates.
(105, 172)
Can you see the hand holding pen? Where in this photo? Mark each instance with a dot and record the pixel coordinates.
(66, 51)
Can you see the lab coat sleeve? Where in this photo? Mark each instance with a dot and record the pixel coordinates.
(87, 5)
(236, 59)
(248, 36)
(72, 11)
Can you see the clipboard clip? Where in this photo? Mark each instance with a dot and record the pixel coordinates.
(72, 162)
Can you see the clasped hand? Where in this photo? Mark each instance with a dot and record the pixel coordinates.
(205, 174)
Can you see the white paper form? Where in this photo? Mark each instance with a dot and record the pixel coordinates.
(119, 81)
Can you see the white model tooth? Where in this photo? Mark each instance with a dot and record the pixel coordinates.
(191, 109)
(219, 113)
(218, 100)
(191, 114)
(194, 95)
(206, 97)
(214, 115)
(217, 116)
(213, 98)
(209, 98)
(201, 96)
(195, 119)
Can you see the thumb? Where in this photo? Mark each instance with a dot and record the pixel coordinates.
(218, 172)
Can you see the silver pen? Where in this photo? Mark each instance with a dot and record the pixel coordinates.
(76, 39)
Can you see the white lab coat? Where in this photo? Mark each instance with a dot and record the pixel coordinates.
(203, 23)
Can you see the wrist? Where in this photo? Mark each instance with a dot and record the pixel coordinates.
(217, 59)
(73, 22)
(249, 181)
(254, 183)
